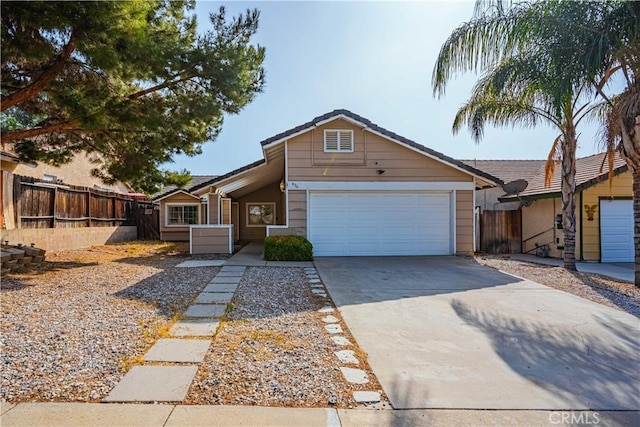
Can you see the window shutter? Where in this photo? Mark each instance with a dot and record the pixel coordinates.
(346, 140)
(331, 140)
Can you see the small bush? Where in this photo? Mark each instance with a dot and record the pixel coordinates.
(287, 248)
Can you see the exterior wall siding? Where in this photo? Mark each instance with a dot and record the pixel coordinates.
(621, 186)
(297, 216)
(307, 160)
(210, 240)
(464, 222)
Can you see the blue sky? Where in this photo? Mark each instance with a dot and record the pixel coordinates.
(373, 58)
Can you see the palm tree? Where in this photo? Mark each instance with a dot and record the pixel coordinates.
(522, 91)
(523, 50)
(613, 50)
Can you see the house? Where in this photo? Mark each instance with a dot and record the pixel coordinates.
(604, 209)
(348, 185)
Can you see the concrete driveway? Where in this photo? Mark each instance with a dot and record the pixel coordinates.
(445, 332)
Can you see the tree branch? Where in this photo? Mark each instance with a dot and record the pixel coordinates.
(37, 85)
(12, 136)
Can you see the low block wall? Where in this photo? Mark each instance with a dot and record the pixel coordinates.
(59, 239)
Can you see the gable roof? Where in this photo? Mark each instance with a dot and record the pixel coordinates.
(372, 127)
(195, 181)
(508, 170)
(171, 193)
(590, 171)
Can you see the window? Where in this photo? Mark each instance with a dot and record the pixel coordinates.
(261, 214)
(336, 141)
(182, 214)
(50, 178)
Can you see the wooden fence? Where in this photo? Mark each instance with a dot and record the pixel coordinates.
(39, 204)
(501, 232)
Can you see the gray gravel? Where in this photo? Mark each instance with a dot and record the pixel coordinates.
(66, 335)
(273, 350)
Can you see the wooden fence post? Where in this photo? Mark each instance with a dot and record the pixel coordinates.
(89, 206)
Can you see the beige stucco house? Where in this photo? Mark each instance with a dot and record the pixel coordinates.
(604, 209)
(348, 185)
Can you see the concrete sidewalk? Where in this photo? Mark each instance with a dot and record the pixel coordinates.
(619, 271)
(101, 414)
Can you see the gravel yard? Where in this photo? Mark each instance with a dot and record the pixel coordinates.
(273, 350)
(600, 289)
(71, 330)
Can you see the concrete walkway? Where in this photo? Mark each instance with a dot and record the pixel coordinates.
(95, 414)
(252, 255)
(621, 271)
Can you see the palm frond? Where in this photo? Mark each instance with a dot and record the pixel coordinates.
(555, 156)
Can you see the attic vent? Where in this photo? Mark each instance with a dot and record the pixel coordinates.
(338, 140)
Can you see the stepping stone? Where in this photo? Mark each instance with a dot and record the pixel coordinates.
(366, 396)
(314, 281)
(347, 356)
(312, 276)
(326, 309)
(153, 384)
(319, 292)
(309, 270)
(355, 376)
(205, 310)
(194, 327)
(333, 328)
(214, 298)
(330, 319)
(222, 279)
(230, 274)
(178, 350)
(233, 268)
(220, 287)
(201, 263)
(341, 340)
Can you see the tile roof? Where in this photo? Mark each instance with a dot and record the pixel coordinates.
(589, 171)
(508, 170)
(384, 132)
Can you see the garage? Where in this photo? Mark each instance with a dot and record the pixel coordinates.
(616, 230)
(380, 223)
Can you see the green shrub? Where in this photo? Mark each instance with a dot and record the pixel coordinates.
(287, 248)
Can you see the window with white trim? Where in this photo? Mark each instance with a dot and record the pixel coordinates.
(338, 141)
(261, 214)
(178, 215)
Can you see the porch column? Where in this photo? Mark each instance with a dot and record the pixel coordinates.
(214, 208)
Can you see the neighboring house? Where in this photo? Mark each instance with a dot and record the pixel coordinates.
(507, 171)
(76, 172)
(348, 185)
(604, 210)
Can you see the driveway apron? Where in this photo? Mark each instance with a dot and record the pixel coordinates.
(445, 332)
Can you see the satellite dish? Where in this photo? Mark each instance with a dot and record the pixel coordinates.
(515, 187)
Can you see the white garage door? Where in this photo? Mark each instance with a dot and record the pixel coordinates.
(616, 230)
(380, 223)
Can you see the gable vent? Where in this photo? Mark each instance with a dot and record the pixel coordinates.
(337, 140)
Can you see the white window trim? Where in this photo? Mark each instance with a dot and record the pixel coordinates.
(166, 214)
(338, 149)
(247, 204)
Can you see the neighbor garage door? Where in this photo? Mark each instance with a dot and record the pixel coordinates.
(380, 223)
(616, 230)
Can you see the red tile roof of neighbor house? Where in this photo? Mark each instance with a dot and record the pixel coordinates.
(590, 170)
